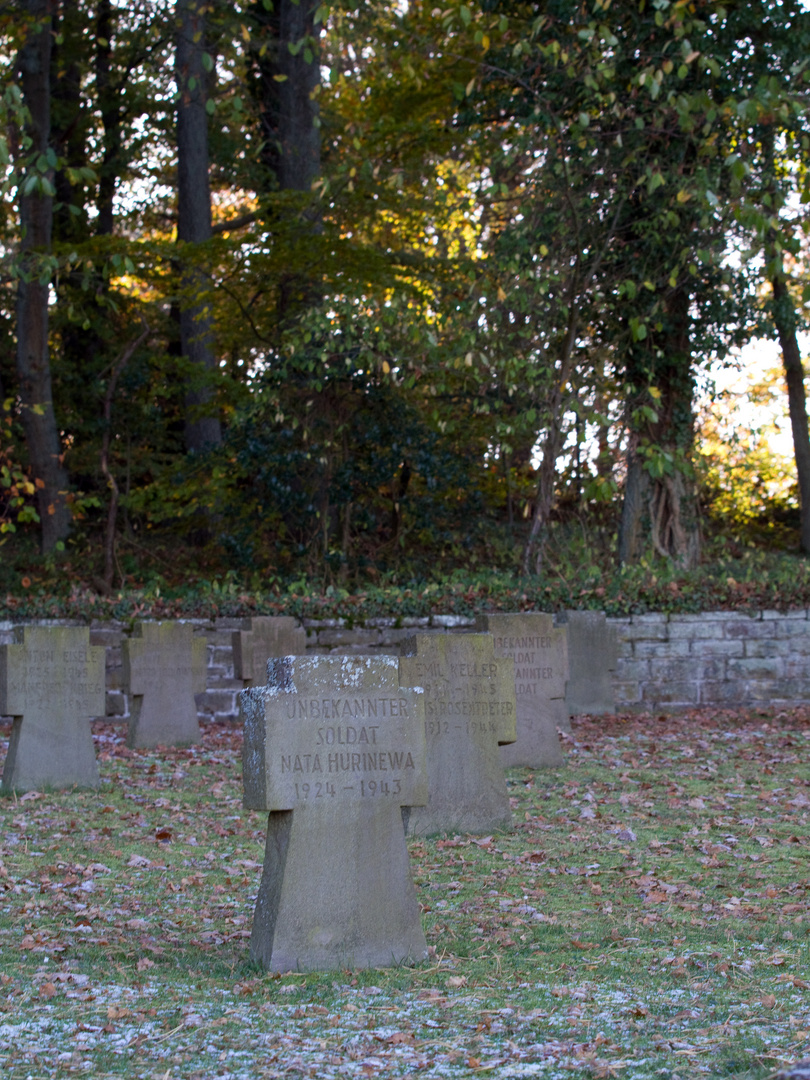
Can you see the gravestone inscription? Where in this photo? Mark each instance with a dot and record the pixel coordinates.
(469, 712)
(164, 667)
(334, 748)
(267, 636)
(52, 683)
(593, 654)
(539, 651)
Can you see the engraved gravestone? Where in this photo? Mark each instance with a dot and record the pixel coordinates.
(334, 748)
(52, 683)
(539, 651)
(593, 654)
(164, 667)
(267, 636)
(469, 712)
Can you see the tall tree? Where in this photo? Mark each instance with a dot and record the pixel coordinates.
(285, 57)
(193, 62)
(36, 162)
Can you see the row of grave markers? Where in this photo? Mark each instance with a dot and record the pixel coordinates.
(342, 752)
(52, 683)
(347, 756)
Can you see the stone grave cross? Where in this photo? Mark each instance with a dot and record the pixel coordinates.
(333, 748)
(267, 636)
(540, 652)
(469, 713)
(52, 683)
(593, 652)
(164, 667)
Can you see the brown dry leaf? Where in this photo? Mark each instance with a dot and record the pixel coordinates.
(768, 1000)
(145, 963)
(47, 990)
(582, 944)
(657, 896)
(455, 981)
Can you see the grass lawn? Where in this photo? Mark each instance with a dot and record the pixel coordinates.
(647, 916)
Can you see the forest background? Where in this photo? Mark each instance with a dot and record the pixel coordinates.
(318, 303)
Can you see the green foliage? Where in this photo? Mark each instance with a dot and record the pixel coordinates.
(515, 260)
(17, 488)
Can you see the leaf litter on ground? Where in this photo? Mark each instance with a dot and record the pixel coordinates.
(646, 916)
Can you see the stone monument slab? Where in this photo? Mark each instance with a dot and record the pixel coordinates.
(593, 654)
(540, 654)
(469, 713)
(334, 748)
(267, 636)
(164, 666)
(52, 683)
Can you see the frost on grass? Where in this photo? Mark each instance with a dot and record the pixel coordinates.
(664, 932)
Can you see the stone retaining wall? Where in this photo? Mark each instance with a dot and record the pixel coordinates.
(667, 663)
(675, 662)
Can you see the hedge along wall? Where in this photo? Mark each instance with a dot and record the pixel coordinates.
(667, 663)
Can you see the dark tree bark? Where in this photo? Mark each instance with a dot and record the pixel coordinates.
(631, 539)
(202, 428)
(783, 314)
(660, 508)
(287, 75)
(288, 78)
(784, 318)
(68, 122)
(110, 108)
(36, 222)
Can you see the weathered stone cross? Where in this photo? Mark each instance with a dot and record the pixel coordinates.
(469, 713)
(52, 683)
(164, 667)
(333, 748)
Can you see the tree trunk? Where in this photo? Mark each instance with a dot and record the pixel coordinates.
(636, 486)
(68, 121)
(535, 547)
(784, 318)
(660, 509)
(110, 109)
(36, 222)
(287, 79)
(202, 426)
